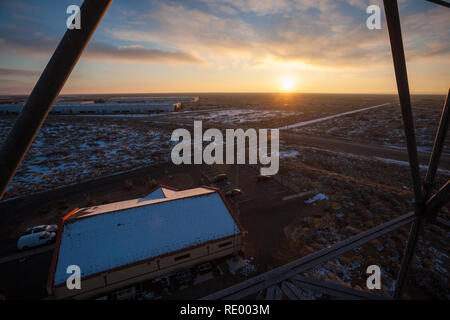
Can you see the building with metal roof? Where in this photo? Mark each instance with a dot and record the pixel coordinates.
(119, 244)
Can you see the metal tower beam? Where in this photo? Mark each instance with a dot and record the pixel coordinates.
(437, 146)
(285, 272)
(47, 89)
(441, 2)
(401, 75)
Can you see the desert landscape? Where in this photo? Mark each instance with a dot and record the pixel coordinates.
(353, 188)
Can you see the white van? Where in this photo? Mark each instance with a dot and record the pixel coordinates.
(35, 239)
(43, 227)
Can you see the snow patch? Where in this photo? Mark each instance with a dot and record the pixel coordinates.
(317, 197)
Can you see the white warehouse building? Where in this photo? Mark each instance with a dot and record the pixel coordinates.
(124, 243)
(99, 108)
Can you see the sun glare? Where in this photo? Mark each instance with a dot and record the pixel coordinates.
(287, 84)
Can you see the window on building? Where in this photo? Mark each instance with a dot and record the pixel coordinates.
(225, 244)
(185, 256)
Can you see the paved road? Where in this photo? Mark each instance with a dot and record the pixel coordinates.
(26, 278)
(361, 149)
(341, 145)
(342, 114)
(25, 254)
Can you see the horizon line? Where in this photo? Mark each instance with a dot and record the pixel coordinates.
(227, 92)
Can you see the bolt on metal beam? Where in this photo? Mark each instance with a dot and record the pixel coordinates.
(47, 89)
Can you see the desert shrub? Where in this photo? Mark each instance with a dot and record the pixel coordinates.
(153, 183)
(89, 200)
(129, 184)
(45, 209)
(62, 205)
(142, 180)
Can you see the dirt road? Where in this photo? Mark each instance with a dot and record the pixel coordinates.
(360, 149)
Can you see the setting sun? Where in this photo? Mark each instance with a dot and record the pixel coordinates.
(287, 84)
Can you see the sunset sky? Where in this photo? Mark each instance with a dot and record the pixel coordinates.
(228, 46)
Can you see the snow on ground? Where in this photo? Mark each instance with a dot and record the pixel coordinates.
(235, 264)
(405, 163)
(288, 152)
(236, 116)
(68, 150)
(248, 268)
(317, 197)
(381, 126)
(145, 115)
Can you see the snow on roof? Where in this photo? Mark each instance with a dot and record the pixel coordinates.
(132, 231)
(157, 194)
(122, 205)
(162, 192)
(171, 193)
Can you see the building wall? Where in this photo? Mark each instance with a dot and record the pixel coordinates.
(106, 282)
(98, 108)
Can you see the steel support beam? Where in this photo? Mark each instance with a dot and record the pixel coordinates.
(437, 146)
(439, 199)
(401, 75)
(408, 255)
(398, 56)
(335, 290)
(445, 224)
(273, 293)
(47, 89)
(441, 2)
(270, 278)
(291, 291)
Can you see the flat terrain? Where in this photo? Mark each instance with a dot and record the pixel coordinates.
(357, 161)
(72, 149)
(383, 126)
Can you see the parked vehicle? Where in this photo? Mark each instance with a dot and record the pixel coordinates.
(220, 177)
(43, 227)
(233, 192)
(183, 276)
(163, 281)
(203, 268)
(126, 294)
(264, 177)
(35, 239)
